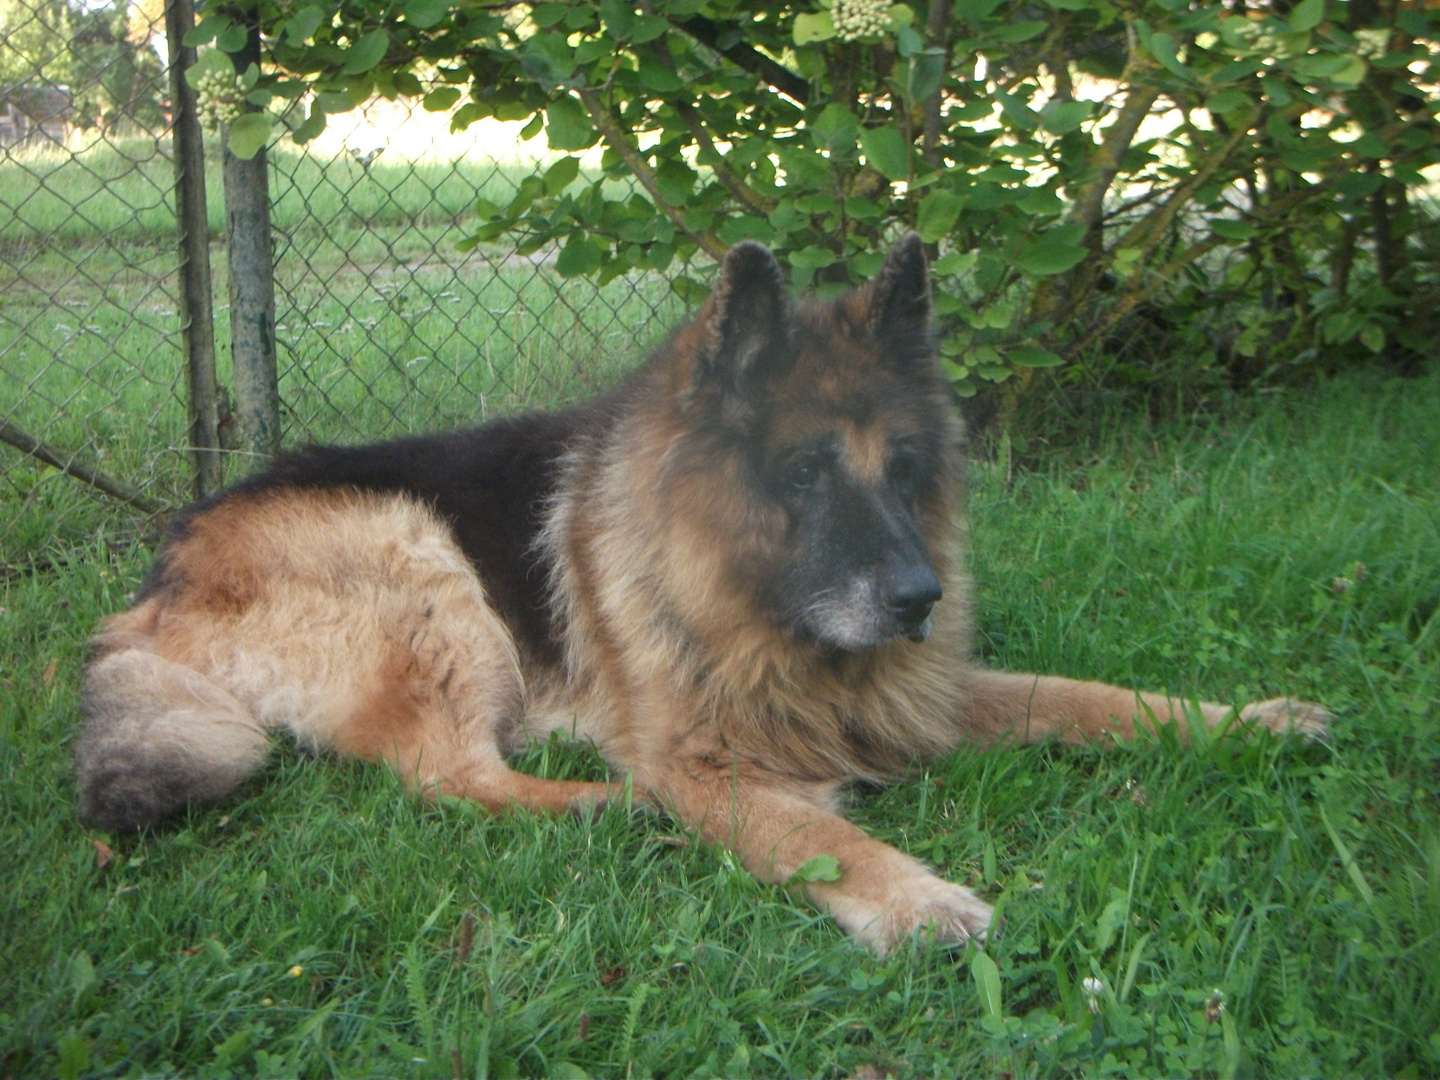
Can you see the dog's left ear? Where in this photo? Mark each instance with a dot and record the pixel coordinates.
(899, 315)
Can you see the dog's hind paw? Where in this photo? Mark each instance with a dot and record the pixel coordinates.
(1290, 717)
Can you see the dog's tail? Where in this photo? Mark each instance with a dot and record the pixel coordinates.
(157, 737)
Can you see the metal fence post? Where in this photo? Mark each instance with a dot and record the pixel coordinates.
(252, 291)
(196, 307)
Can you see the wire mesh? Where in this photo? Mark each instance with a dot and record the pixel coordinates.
(383, 324)
(89, 352)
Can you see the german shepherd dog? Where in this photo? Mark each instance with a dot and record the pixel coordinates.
(738, 574)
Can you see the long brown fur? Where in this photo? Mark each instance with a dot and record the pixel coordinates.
(329, 598)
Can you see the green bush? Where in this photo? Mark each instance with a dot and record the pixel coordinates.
(1245, 177)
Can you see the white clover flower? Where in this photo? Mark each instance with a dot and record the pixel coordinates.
(1214, 1006)
(1092, 986)
(856, 19)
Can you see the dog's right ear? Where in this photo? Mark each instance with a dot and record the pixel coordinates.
(745, 323)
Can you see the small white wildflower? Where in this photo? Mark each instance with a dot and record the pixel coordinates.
(1215, 1006)
(1370, 43)
(1093, 988)
(217, 98)
(856, 19)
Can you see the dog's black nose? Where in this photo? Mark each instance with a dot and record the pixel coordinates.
(912, 597)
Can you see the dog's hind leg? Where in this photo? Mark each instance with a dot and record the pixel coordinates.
(446, 701)
(158, 736)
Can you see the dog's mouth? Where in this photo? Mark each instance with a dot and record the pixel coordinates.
(921, 630)
(854, 619)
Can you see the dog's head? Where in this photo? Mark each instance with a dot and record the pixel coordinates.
(840, 430)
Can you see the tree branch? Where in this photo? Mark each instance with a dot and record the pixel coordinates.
(751, 200)
(1110, 155)
(50, 455)
(937, 30)
(753, 61)
(615, 137)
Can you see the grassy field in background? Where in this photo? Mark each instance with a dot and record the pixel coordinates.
(383, 325)
(1251, 907)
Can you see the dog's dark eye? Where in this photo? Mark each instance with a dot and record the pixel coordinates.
(804, 473)
(904, 472)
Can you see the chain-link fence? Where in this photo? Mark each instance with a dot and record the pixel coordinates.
(382, 324)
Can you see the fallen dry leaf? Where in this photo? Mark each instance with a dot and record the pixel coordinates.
(103, 855)
(48, 675)
(614, 975)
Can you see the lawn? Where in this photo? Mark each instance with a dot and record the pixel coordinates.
(1249, 906)
(383, 324)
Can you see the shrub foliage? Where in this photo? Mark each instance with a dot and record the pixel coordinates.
(1248, 172)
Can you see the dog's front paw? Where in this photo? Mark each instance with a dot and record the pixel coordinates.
(1288, 716)
(922, 903)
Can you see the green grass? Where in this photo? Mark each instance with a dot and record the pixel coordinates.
(326, 923)
(383, 326)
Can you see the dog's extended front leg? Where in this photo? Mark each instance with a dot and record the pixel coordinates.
(1035, 707)
(881, 895)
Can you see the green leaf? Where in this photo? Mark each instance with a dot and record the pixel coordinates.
(1373, 338)
(812, 257)
(248, 135)
(303, 24)
(656, 76)
(1347, 858)
(1031, 356)
(232, 39)
(211, 61)
(1307, 15)
(937, 215)
(568, 126)
(560, 175)
(1020, 114)
(1227, 101)
(817, 27)
(1162, 47)
(647, 28)
(1051, 257)
(887, 150)
(204, 31)
(1041, 202)
(820, 868)
(923, 77)
(425, 13)
(74, 1056)
(987, 983)
(579, 256)
(1063, 117)
(1231, 230)
(367, 52)
(80, 974)
(689, 290)
(836, 129)
(954, 263)
(619, 17)
(440, 99)
(1352, 74)
(1322, 65)
(1024, 30)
